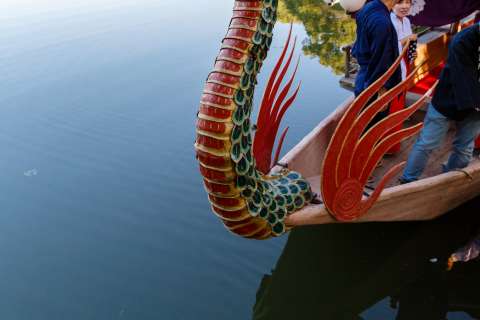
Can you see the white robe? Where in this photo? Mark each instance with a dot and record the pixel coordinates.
(404, 29)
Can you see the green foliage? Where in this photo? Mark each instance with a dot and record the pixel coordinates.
(328, 29)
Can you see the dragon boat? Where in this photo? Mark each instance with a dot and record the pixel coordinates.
(325, 177)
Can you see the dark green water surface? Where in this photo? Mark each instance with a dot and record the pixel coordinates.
(103, 213)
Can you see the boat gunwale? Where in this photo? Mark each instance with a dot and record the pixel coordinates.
(317, 213)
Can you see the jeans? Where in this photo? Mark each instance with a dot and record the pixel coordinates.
(432, 135)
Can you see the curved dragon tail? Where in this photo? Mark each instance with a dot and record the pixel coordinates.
(249, 202)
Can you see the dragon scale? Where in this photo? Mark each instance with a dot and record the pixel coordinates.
(249, 203)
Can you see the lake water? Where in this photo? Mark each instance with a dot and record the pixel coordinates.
(103, 214)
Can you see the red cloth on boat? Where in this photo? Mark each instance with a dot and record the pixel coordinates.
(427, 82)
(397, 104)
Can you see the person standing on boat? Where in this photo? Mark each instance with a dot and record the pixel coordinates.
(457, 98)
(405, 37)
(376, 47)
(403, 28)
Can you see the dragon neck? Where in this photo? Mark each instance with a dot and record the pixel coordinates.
(248, 202)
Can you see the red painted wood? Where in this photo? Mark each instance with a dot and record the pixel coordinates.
(365, 205)
(243, 5)
(279, 147)
(263, 114)
(375, 134)
(218, 187)
(278, 82)
(232, 217)
(224, 78)
(228, 66)
(346, 159)
(272, 110)
(283, 94)
(215, 175)
(227, 53)
(211, 160)
(210, 142)
(396, 105)
(211, 98)
(329, 183)
(240, 33)
(382, 147)
(218, 88)
(215, 112)
(237, 44)
(247, 14)
(225, 202)
(211, 126)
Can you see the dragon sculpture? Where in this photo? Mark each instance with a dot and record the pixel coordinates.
(251, 201)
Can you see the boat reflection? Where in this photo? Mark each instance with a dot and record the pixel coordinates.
(375, 271)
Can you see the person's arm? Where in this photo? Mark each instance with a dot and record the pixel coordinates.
(462, 58)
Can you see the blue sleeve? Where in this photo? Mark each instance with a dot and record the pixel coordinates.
(383, 52)
(463, 59)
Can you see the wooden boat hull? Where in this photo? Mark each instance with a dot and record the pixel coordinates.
(421, 200)
(424, 199)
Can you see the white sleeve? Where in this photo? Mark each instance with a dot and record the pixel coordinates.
(408, 27)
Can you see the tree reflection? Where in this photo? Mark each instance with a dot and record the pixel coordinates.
(328, 29)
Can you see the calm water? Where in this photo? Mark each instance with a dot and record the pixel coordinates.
(103, 212)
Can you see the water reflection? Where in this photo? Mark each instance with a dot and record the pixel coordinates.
(375, 271)
(328, 29)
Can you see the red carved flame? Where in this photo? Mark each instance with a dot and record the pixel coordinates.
(272, 110)
(353, 154)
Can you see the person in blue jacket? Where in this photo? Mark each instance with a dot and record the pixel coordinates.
(376, 48)
(457, 97)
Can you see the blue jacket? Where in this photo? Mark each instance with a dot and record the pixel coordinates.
(458, 91)
(376, 47)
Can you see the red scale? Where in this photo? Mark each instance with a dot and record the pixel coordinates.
(243, 22)
(228, 66)
(242, 34)
(210, 142)
(225, 78)
(231, 216)
(245, 5)
(211, 98)
(246, 14)
(213, 174)
(225, 202)
(249, 229)
(218, 88)
(238, 44)
(211, 160)
(217, 187)
(215, 112)
(211, 126)
(231, 54)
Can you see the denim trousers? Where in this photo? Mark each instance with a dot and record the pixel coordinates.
(435, 128)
